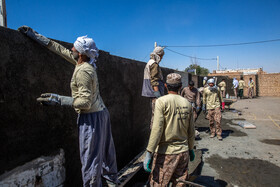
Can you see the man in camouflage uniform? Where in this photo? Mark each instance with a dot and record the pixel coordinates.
(172, 137)
(153, 86)
(212, 99)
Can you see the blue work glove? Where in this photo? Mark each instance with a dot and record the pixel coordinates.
(34, 35)
(197, 108)
(147, 162)
(55, 99)
(157, 94)
(192, 155)
(204, 107)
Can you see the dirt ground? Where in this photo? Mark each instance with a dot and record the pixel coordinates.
(245, 157)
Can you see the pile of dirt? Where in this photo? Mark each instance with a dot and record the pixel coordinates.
(246, 172)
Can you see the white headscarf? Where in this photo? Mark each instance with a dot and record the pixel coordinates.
(158, 51)
(86, 46)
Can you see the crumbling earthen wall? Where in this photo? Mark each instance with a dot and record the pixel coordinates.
(29, 130)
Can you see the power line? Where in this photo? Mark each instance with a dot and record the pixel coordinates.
(224, 45)
(190, 56)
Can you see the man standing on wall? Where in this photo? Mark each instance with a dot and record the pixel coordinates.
(251, 86)
(222, 86)
(212, 100)
(153, 85)
(193, 96)
(172, 137)
(235, 86)
(241, 85)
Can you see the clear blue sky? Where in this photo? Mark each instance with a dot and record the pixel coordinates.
(130, 28)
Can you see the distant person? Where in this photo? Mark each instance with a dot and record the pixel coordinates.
(223, 86)
(97, 150)
(205, 82)
(153, 86)
(212, 100)
(251, 86)
(193, 96)
(235, 86)
(172, 137)
(241, 86)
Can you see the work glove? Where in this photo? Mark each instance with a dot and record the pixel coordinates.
(147, 162)
(204, 107)
(157, 94)
(55, 99)
(223, 105)
(192, 155)
(197, 108)
(34, 35)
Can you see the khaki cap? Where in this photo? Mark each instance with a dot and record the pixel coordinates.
(173, 78)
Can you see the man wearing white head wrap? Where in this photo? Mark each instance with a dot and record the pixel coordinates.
(153, 86)
(86, 46)
(97, 150)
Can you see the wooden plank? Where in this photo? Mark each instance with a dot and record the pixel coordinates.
(246, 125)
(126, 173)
(189, 183)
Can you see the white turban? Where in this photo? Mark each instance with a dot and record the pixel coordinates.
(158, 51)
(86, 46)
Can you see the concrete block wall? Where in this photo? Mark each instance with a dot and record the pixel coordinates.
(29, 130)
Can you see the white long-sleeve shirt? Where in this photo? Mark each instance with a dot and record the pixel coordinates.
(235, 83)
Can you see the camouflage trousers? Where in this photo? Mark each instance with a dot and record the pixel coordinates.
(250, 93)
(215, 115)
(169, 168)
(153, 104)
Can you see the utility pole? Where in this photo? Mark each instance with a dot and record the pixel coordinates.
(218, 65)
(155, 44)
(3, 14)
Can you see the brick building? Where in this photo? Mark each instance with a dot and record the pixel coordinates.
(267, 84)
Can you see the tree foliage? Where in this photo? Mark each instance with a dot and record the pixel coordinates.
(199, 70)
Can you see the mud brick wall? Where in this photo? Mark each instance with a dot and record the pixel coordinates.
(29, 130)
(269, 84)
(229, 80)
(246, 79)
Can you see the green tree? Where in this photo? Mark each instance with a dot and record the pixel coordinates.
(199, 70)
